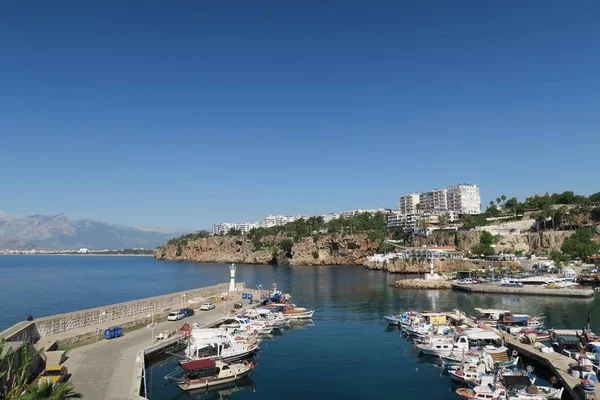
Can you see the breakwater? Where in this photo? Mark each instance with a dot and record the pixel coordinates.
(80, 325)
(527, 290)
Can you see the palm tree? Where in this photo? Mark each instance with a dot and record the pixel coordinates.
(491, 204)
(503, 197)
(498, 200)
(443, 220)
(50, 391)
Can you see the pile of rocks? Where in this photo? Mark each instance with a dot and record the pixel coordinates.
(422, 284)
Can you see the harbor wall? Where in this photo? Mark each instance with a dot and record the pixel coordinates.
(527, 290)
(56, 324)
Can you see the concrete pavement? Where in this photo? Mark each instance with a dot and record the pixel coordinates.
(104, 370)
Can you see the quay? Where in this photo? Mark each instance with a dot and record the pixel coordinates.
(114, 369)
(555, 362)
(526, 290)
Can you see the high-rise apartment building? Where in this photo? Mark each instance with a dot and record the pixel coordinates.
(433, 201)
(464, 199)
(408, 204)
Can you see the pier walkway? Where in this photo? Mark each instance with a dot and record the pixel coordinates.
(104, 370)
(526, 290)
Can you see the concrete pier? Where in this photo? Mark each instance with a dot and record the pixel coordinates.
(526, 290)
(112, 369)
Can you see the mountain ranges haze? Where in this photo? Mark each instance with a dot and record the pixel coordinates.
(59, 232)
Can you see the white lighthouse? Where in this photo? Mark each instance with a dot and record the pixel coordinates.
(232, 278)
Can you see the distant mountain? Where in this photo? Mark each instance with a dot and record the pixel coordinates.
(59, 232)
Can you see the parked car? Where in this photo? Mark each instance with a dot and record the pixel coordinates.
(466, 281)
(207, 306)
(238, 305)
(187, 312)
(175, 316)
(477, 280)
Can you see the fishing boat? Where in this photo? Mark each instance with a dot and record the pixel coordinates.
(445, 347)
(244, 324)
(218, 344)
(205, 373)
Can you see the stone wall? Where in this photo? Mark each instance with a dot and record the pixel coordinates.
(61, 323)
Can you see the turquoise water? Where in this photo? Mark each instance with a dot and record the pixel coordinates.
(348, 353)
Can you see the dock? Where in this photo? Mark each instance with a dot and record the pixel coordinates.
(555, 362)
(526, 290)
(114, 369)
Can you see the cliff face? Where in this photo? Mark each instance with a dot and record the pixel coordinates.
(333, 249)
(528, 243)
(323, 250)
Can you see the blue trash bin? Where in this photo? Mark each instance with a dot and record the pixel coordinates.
(244, 295)
(250, 296)
(109, 333)
(118, 331)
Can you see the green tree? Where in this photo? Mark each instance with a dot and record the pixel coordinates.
(50, 391)
(511, 204)
(484, 249)
(560, 259)
(487, 238)
(234, 232)
(580, 244)
(286, 245)
(594, 198)
(14, 370)
(443, 220)
(503, 198)
(466, 220)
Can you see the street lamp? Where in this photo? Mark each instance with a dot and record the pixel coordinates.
(102, 314)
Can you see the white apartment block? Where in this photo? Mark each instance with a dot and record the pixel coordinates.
(224, 227)
(408, 204)
(433, 202)
(328, 217)
(276, 220)
(464, 199)
(460, 199)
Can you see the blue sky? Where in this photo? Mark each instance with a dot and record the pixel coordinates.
(187, 113)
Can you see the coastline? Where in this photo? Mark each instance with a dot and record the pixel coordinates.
(85, 255)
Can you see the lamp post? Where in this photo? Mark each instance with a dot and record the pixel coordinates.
(102, 314)
(182, 300)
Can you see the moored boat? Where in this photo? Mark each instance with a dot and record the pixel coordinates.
(206, 373)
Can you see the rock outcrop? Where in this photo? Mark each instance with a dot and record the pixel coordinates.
(318, 250)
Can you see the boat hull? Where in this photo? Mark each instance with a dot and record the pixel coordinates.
(205, 383)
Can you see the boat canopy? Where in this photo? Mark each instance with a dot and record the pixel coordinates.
(483, 335)
(491, 311)
(197, 364)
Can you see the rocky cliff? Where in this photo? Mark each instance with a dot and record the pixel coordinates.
(318, 250)
(527, 243)
(334, 249)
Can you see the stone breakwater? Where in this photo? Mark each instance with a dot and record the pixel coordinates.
(81, 325)
(440, 266)
(422, 284)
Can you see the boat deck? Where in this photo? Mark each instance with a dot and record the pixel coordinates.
(525, 290)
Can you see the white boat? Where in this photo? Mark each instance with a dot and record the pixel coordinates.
(455, 344)
(205, 373)
(218, 344)
(276, 320)
(245, 324)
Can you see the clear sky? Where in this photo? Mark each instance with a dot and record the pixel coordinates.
(187, 113)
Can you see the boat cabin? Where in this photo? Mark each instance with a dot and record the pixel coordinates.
(435, 318)
(489, 316)
(483, 338)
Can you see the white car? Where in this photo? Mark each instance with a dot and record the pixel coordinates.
(175, 316)
(466, 281)
(207, 306)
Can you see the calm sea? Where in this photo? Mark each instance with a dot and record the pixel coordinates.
(348, 353)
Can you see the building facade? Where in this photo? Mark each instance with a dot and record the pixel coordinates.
(464, 199)
(409, 204)
(433, 202)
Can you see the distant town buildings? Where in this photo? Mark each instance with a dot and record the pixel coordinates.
(224, 227)
(416, 211)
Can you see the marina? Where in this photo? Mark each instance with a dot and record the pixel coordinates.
(349, 304)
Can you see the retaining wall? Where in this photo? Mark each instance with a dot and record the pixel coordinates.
(61, 323)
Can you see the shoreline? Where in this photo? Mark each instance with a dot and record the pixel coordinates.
(75, 254)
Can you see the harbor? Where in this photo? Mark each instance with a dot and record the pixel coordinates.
(349, 303)
(483, 354)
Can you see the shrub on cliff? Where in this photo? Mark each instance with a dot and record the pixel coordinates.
(286, 245)
(580, 244)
